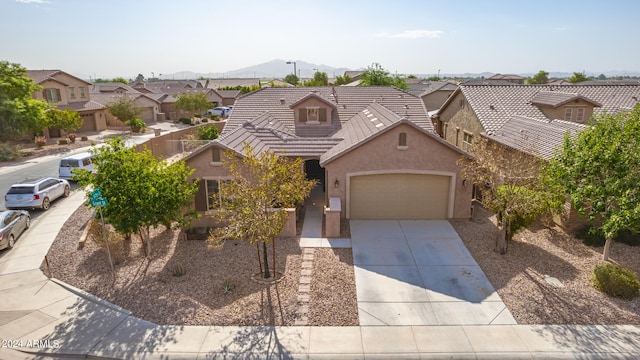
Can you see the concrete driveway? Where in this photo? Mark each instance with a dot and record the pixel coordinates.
(420, 273)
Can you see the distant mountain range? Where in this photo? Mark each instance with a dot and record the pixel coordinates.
(278, 69)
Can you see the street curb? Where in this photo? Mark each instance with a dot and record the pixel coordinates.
(90, 297)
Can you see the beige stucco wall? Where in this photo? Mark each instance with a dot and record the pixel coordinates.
(64, 90)
(423, 154)
(458, 119)
(436, 99)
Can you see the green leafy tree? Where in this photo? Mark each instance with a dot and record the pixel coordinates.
(125, 109)
(207, 132)
(120, 80)
(602, 77)
(599, 171)
(376, 75)
(577, 77)
(67, 119)
(193, 102)
(433, 78)
(139, 78)
(511, 186)
(19, 112)
(319, 79)
(253, 202)
(142, 191)
(291, 79)
(343, 80)
(542, 77)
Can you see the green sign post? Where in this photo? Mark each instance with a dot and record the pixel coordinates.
(98, 201)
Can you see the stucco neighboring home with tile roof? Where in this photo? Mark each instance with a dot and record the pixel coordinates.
(169, 91)
(476, 109)
(108, 93)
(372, 149)
(66, 91)
(513, 78)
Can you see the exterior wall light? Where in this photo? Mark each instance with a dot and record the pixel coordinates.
(336, 183)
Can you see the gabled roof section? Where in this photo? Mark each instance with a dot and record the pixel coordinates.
(367, 125)
(312, 95)
(494, 105)
(559, 98)
(534, 136)
(90, 105)
(40, 76)
(347, 102)
(109, 97)
(112, 87)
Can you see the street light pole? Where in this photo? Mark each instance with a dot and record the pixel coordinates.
(295, 73)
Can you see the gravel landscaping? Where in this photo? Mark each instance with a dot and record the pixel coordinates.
(217, 287)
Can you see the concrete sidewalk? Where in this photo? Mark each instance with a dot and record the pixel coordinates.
(41, 317)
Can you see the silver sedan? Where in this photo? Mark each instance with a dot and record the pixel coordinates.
(12, 224)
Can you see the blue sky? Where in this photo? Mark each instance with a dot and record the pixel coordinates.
(107, 38)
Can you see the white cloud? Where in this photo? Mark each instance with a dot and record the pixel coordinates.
(33, 1)
(415, 34)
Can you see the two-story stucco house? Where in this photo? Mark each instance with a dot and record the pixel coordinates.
(66, 91)
(373, 149)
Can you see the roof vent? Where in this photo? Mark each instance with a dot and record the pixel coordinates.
(634, 98)
(491, 107)
(344, 106)
(281, 101)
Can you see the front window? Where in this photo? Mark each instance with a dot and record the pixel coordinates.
(52, 95)
(467, 141)
(215, 155)
(580, 114)
(82, 92)
(402, 139)
(568, 113)
(72, 92)
(313, 114)
(214, 198)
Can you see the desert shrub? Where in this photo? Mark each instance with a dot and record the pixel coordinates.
(592, 236)
(185, 120)
(616, 280)
(84, 138)
(8, 152)
(204, 120)
(178, 270)
(72, 137)
(63, 141)
(137, 125)
(40, 141)
(207, 132)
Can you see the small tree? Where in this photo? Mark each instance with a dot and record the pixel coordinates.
(125, 109)
(599, 171)
(193, 102)
(510, 184)
(142, 191)
(342, 80)
(120, 80)
(376, 75)
(291, 79)
(577, 77)
(542, 77)
(253, 202)
(319, 79)
(19, 111)
(208, 132)
(67, 119)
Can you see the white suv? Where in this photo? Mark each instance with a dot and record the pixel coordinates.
(36, 194)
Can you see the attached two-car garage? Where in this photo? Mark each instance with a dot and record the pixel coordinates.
(399, 196)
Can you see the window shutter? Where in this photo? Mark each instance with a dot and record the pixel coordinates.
(201, 196)
(58, 95)
(323, 115)
(44, 95)
(302, 115)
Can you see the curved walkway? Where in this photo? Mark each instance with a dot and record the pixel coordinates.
(41, 316)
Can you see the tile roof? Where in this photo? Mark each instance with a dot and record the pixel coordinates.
(349, 101)
(534, 136)
(83, 106)
(494, 105)
(505, 77)
(40, 76)
(232, 82)
(109, 97)
(557, 98)
(111, 87)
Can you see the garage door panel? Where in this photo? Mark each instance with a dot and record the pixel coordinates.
(399, 196)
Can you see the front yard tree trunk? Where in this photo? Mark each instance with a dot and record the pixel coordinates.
(501, 237)
(607, 246)
(267, 274)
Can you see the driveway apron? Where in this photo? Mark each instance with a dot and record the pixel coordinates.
(418, 272)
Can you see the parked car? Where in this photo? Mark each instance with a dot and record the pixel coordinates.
(78, 161)
(221, 111)
(12, 224)
(36, 193)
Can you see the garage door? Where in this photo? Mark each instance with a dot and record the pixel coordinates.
(399, 196)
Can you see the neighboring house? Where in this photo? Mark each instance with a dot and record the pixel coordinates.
(168, 91)
(436, 94)
(66, 91)
(107, 93)
(512, 78)
(229, 96)
(373, 150)
(473, 110)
